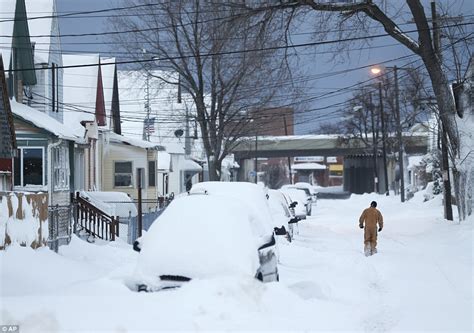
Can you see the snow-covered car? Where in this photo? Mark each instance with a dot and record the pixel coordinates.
(310, 199)
(311, 189)
(303, 202)
(203, 236)
(282, 214)
(252, 195)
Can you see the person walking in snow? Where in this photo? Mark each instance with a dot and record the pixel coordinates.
(371, 216)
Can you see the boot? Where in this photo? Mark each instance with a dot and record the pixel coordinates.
(367, 250)
(374, 250)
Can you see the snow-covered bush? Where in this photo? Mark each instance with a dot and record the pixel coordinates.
(433, 172)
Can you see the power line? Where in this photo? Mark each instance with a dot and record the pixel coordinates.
(210, 54)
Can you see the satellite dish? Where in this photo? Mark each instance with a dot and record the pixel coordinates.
(178, 133)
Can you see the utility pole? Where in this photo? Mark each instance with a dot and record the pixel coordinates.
(399, 134)
(448, 209)
(384, 138)
(289, 158)
(374, 143)
(256, 158)
(139, 204)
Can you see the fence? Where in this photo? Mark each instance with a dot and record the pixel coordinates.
(128, 225)
(93, 220)
(59, 226)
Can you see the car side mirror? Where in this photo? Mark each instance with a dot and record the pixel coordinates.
(294, 220)
(136, 246)
(293, 204)
(280, 231)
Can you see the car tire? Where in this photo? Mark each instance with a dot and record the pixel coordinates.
(260, 277)
(142, 288)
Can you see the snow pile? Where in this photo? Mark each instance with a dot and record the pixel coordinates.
(189, 240)
(421, 280)
(24, 231)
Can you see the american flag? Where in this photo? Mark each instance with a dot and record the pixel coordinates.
(149, 125)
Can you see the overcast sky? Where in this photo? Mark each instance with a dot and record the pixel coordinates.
(310, 59)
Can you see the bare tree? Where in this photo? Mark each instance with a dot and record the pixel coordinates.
(356, 119)
(198, 39)
(427, 47)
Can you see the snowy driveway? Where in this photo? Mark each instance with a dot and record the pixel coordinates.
(420, 280)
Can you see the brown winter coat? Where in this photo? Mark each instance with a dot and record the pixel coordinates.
(371, 216)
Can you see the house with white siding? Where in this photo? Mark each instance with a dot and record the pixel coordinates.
(85, 108)
(151, 110)
(109, 161)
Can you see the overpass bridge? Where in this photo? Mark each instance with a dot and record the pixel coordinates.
(358, 162)
(318, 145)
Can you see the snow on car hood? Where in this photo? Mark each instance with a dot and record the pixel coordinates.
(200, 236)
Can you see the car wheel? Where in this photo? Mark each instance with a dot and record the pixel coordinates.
(260, 277)
(278, 277)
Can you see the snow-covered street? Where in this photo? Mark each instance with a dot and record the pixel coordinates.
(420, 280)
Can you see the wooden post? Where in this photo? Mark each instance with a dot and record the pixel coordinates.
(117, 221)
(112, 229)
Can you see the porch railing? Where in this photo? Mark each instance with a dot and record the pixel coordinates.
(94, 221)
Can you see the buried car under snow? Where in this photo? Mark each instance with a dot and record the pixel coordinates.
(282, 213)
(202, 236)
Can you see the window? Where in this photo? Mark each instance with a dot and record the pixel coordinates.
(151, 173)
(60, 156)
(29, 166)
(123, 174)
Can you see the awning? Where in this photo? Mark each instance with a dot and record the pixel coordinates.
(308, 166)
(190, 165)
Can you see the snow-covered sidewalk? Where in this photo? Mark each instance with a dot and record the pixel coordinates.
(420, 280)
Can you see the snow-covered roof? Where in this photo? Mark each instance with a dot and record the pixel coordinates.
(308, 166)
(80, 89)
(43, 121)
(190, 165)
(299, 137)
(7, 16)
(114, 137)
(42, 26)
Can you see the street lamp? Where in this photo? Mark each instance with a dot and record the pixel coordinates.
(381, 70)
